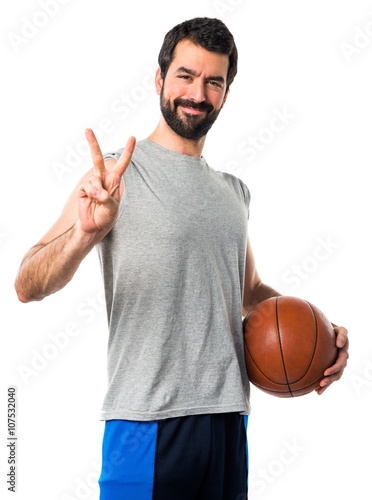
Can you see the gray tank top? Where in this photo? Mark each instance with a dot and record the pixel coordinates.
(173, 268)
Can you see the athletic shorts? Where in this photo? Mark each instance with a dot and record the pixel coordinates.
(200, 457)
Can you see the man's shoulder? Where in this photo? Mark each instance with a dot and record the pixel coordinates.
(238, 185)
(115, 154)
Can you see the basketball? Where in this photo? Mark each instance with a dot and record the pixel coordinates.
(288, 344)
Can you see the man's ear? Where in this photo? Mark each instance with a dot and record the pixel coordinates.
(158, 81)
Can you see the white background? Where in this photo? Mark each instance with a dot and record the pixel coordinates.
(91, 64)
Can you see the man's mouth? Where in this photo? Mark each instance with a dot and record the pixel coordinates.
(192, 108)
(192, 111)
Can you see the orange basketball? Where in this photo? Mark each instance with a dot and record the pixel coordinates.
(289, 343)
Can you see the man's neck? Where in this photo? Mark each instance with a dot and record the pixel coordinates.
(164, 136)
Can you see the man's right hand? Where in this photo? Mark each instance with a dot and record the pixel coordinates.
(88, 215)
(99, 196)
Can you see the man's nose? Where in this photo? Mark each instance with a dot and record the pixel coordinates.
(197, 91)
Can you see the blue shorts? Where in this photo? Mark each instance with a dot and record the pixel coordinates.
(200, 457)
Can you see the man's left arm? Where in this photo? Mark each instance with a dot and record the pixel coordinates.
(256, 291)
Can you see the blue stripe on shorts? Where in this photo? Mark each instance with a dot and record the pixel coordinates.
(128, 452)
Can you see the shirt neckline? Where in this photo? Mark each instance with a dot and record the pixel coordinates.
(183, 157)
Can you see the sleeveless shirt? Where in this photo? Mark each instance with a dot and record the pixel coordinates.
(173, 271)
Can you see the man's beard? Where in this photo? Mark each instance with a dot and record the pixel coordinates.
(189, 126)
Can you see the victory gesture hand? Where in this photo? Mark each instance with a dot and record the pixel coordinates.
(99, 196)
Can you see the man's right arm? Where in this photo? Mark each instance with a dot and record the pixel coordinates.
(48, 267)
(50, 264)
(89, 214)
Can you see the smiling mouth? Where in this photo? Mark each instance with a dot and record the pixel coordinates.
(192, 111)
(193, 108)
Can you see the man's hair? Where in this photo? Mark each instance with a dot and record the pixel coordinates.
(211, 34)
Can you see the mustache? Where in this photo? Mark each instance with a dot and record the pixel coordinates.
(200, 106)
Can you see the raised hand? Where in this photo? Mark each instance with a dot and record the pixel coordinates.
(99, 196)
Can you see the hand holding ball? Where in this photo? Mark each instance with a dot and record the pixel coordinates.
(289, 343)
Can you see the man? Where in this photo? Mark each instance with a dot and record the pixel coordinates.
(179, 273)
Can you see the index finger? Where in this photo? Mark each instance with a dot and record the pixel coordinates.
(95, 151)
(125, 156)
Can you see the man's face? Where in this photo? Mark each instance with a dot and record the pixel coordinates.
(194, 90)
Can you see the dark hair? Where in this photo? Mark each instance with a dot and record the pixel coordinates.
(211, 34)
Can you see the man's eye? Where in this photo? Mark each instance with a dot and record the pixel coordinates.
(215, 84)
